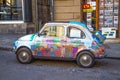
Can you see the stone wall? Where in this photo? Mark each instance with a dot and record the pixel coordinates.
(13, 28)
(66, 10)
(24, 28)
(21, 28)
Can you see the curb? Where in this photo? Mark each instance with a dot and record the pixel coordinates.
(117, 41)
(6, 49)
(116, 58)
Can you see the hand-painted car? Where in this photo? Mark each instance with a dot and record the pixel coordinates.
(60, 41)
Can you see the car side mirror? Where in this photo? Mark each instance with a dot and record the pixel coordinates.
(42, 34)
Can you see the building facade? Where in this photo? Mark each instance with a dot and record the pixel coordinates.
(28, 16)
(15, 15)
(66, 10)
(23, 16)
(101, 15)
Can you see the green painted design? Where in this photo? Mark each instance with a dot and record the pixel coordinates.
(38, 44)
(67, 53)
(78, 43)
(32, 37)
(56, 40)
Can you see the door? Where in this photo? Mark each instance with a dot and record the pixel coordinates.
(76, 41)
(49, 42)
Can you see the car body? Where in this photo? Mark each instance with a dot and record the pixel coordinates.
(60, 41)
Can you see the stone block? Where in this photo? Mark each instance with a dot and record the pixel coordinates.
(64, 16)
(65, 3)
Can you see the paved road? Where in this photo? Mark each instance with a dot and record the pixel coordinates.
(10, 69)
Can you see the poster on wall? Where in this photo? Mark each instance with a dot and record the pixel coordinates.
(93, 4)
(89, 21)
(108, 16)
(89, 15)
(109, 32)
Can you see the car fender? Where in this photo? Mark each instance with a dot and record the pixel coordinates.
(85, 49)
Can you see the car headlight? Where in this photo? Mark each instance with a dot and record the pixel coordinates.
(14, 43)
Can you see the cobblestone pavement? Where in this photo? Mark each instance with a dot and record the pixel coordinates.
(104, 69)
(6, 40)
(11, 69)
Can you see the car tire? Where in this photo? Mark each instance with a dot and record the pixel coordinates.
(85, 59)
(24, 56)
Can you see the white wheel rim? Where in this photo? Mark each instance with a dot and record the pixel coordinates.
(85, 60)
(23, 56)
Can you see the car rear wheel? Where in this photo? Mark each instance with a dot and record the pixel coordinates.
(24, 55)
(85, 59)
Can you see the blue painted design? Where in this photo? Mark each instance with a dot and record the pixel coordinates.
(79, 23)
(54, 47)
(14, 43)
(97, 39)
(52, 53)
(99, 33)
(33, 47)
(39, 53)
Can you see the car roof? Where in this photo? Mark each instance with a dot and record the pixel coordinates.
(67, 23)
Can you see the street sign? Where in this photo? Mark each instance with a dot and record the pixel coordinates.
(88, 10)
(86, 6)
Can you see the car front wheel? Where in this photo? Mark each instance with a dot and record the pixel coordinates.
(85, 59)
(24, 55)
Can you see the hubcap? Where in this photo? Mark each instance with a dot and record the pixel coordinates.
(85, 60)
(23, 56)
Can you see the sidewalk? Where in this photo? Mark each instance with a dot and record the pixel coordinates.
(6, 41)
(112, 45)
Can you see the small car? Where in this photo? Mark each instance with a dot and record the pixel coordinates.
(63, 41)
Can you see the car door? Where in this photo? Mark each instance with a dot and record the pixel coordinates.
(76, 39)
(49, 42)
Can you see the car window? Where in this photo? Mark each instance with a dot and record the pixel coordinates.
(56, 31)
(74, 32)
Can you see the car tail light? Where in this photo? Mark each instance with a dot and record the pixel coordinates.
(103, 50)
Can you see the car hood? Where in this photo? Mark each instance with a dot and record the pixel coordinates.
(29, 37)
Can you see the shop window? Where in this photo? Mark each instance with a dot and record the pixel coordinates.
(11, 10)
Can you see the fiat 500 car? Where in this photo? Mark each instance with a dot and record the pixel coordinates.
(60, 41)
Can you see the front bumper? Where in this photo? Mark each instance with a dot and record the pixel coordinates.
(14, 49)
